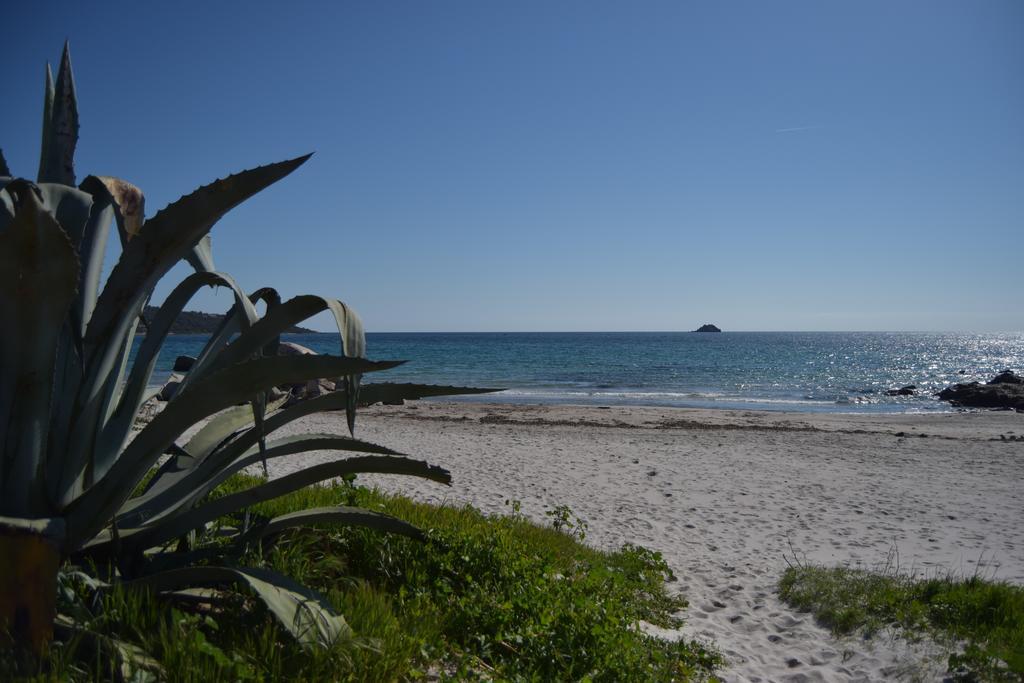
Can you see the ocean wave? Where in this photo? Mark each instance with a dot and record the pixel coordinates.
(668, 396)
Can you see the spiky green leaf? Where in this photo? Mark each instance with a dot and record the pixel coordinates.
(278, 319)
(134, 665)
(47, 129)
(38, 275)
(220, 427)
(342, 514)
(180, 488)
(230, 326)
(201, 256)
(70, 206)
(59, 165)
(194, 518)
(388, 392)
(307, 616)
(116, 431)
(231, 386)
(164, 240)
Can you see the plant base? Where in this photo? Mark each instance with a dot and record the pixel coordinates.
(28, 588)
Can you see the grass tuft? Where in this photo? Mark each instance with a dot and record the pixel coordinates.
(981, 621)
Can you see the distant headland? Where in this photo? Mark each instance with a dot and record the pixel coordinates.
(708, 327)
(197, 322)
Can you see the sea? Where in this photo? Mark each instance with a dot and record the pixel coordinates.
(837, 372)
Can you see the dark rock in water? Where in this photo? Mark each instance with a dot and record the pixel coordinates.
(707, 328)
(183, 363)
(394, 402)
(909, 390)
(1005, 390)
(1007, 377)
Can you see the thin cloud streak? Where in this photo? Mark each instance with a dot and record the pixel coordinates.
(796, 129)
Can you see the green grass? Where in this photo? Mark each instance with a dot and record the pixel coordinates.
(985, 617)
(488, 598)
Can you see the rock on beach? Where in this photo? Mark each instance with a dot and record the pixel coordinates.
(1005, 390)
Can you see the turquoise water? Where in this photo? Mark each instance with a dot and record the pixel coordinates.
(803, 371)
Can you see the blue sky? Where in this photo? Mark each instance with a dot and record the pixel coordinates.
(571, 166)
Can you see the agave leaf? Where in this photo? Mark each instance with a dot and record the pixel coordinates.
(92, 248)
(167, 237)
(214, 434)
(382, 392)
(111, 199)
(281, 318)
(4, 171)
(342, 514)
(371, 393)
(112, 395)
(218, 430)
(221, 390)
(252, 342)
(334, 400)
(304, 613)
(179, 463)
(118, 429)
(353, 343)
(44, 147)
(70, 206)
(68, 375)
(75, 211)
(133, 663)
(160, 327)
(59, 149)
(71, 470)
(201, 256)
(228, 328)
(174, 467)
(220, 427)
(38, 274)
(182, 488)
(265, 530)
(126, 203)
(194, 518)
(259, 412)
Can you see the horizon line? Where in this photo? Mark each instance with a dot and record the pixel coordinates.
(674, 332)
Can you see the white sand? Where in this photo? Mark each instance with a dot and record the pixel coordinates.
(726, 496)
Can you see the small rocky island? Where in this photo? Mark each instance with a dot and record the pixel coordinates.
(707, 327)
(197, 322)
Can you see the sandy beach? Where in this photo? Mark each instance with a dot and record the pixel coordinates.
(729, 497)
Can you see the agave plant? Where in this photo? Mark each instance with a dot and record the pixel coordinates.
(71, 465)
